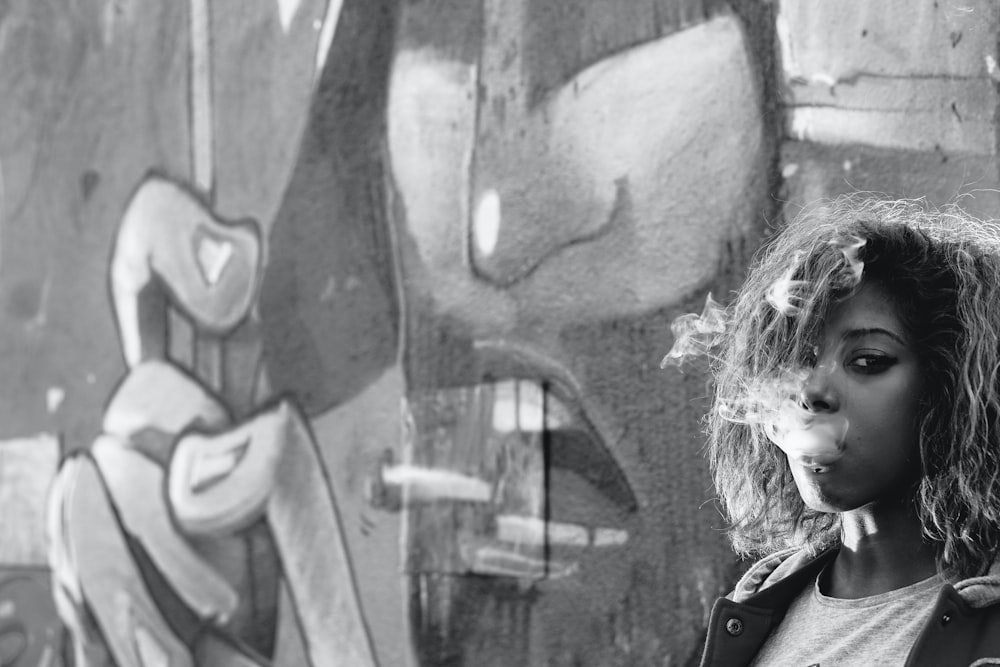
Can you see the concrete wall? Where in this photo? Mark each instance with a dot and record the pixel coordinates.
(345, 318)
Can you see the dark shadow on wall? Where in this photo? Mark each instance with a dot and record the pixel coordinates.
(328, 301)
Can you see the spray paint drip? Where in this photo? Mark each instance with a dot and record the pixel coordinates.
(696, 334)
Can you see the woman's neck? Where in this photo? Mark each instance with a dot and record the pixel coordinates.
(882, 550)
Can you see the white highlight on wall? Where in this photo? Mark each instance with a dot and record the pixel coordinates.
(53, 398)
(991, 67)
(486, 224)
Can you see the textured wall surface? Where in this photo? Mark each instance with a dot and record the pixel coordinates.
(331, 328)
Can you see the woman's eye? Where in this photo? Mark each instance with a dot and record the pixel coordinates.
(870, 364)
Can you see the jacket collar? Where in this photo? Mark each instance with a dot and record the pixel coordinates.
(777, 567)
(981, 591)
(795, 567)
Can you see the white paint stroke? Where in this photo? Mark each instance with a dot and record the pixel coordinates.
(496, 561)
(422, 483)
(924, 131)
(326, 32)
(608, 537)
(536, 531)
(287, 9)
(201, 95)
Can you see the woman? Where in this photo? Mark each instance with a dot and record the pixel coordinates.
(855, 441)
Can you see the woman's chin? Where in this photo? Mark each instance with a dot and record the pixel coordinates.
(818, 487)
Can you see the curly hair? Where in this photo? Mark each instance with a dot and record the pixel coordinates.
(942, 268)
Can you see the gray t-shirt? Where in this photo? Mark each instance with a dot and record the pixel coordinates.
(822, 631)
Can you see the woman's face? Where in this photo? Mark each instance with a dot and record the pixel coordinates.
(867, 371)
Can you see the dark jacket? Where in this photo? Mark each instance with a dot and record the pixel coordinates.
(963, 630)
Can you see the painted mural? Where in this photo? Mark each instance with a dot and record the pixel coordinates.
(331, 328)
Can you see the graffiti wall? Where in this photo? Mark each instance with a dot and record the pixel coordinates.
(331, 328)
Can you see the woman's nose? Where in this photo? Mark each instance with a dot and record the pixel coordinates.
(818, 393)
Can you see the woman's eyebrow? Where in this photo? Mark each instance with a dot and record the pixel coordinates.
(867, 331)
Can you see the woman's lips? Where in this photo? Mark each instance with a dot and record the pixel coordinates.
(814, 441)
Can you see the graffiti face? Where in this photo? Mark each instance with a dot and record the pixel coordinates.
(407, 302)
(550, 224)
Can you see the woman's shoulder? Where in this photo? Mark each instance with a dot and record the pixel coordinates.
(773, 568)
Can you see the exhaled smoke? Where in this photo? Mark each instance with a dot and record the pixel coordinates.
(786, 294)
(774, 403)
(850, 247)
(696, 335)
(809, 437)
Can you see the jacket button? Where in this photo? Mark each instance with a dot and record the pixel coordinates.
(946, 618)
(734, 626)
